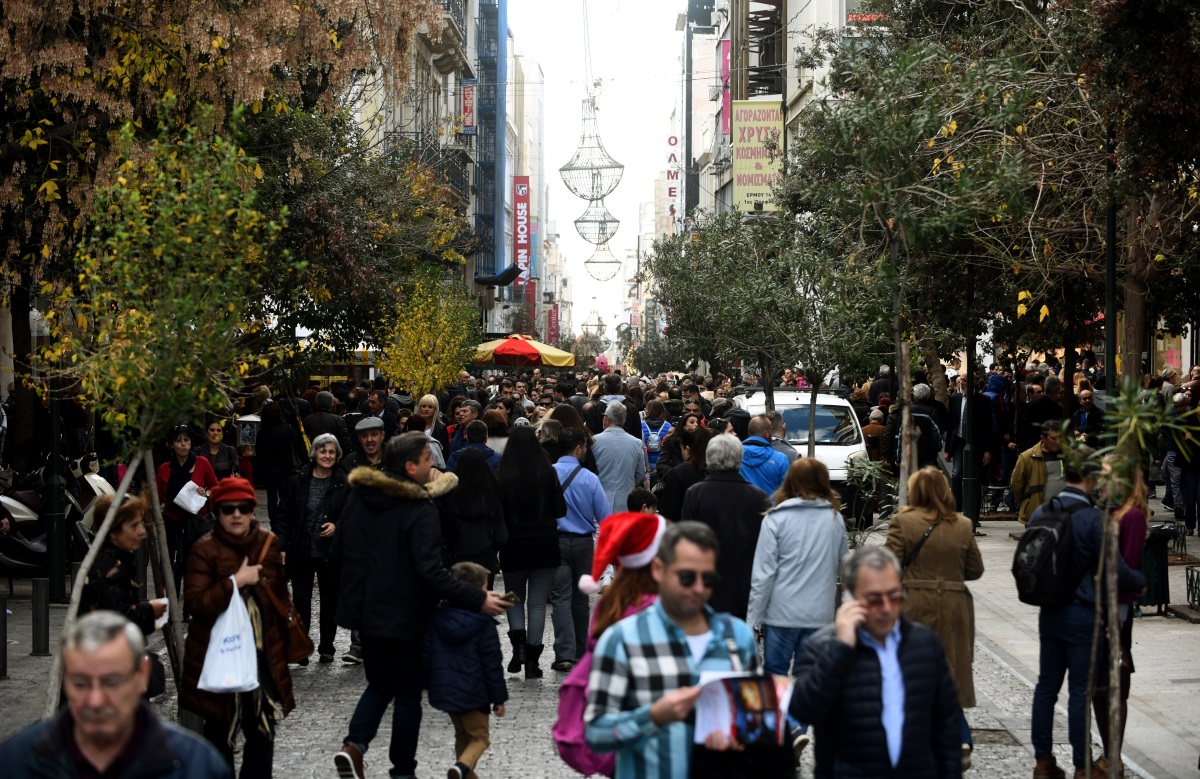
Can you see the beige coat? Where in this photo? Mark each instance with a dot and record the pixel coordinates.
(934, 583)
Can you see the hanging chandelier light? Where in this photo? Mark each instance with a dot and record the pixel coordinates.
(602, 266)
(592, 173)
(597, 225)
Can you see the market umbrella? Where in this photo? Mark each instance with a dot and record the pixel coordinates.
(521, 350)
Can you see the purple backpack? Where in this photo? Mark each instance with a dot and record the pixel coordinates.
(568, 730)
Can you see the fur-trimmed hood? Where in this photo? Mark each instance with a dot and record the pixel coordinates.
(366, 478)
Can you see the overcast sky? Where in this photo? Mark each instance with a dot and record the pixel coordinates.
(635, 50)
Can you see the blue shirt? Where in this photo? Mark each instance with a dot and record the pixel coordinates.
(586, 501)
(893, 688)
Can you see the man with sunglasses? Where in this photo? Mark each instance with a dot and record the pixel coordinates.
(875, 686)
(106, 729)
(646, 668)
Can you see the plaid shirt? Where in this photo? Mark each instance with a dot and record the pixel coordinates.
(636, 662)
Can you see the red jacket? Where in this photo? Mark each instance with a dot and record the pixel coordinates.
(203, 474)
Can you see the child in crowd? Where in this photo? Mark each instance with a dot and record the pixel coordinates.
(642, 500)
(466, 675)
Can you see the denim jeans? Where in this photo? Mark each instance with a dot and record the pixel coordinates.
(780, 647)
(1174, 490)
(533, 589)
(1065, 633)
(570, 615)
(394, 673)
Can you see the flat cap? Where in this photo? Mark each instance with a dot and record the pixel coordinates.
(368, 423)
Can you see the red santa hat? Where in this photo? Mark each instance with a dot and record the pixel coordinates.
(630, 539)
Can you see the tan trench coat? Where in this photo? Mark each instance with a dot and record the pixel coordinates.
(936, 594)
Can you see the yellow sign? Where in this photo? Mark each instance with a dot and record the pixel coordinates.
(756, 168)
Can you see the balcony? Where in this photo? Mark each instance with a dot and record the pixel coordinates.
(449, 51)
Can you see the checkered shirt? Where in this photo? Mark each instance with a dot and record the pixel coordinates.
(635, 663)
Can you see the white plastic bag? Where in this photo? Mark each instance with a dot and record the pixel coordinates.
(231, 663)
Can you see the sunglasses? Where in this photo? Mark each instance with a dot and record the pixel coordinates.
(688, 578)
(875, 600)
(546, 405)
(228, 509)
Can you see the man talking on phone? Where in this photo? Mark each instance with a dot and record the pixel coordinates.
(875, 686)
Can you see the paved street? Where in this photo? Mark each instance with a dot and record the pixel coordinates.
(1163, 737)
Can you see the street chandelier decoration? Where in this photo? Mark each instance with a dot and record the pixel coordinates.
(593, 174)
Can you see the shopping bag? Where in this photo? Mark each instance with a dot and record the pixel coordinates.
(231, 662)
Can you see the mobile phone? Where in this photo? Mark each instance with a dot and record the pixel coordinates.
(511, 597)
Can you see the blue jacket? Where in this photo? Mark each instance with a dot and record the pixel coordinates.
(168, 752)
(493, 457)
(762, 466)
(463, 661)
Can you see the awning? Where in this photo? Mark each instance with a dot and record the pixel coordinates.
(501, 279)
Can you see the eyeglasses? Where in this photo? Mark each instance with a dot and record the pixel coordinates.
(110, 683)
(227, 509)
(875, 599)
(710, 579)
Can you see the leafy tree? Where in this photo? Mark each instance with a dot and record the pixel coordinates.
(522, 319)
(433, 335)
(657, 353)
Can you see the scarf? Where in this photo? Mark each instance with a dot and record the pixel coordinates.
(180, 475)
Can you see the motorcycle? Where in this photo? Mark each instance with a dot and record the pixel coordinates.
(23, 551)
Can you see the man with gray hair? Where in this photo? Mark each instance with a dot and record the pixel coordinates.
(884, 384)
(106, 728)
(323, 420)
(877, 710)
(734, 509)
(466, 413)
(620, 457)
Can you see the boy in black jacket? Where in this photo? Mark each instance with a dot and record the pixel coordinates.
(466, 678)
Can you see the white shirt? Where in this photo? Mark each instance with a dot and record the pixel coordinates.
(699, 645)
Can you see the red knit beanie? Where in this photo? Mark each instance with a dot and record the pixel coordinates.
(232, 489)
(630, 539)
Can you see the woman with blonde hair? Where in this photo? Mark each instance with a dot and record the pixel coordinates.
(430, 410)
(938, 554)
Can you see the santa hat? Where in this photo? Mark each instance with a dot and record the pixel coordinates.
(630, 538)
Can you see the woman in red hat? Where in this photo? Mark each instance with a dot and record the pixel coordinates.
(238, 549)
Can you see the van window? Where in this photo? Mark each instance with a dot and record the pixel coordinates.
(835, 425)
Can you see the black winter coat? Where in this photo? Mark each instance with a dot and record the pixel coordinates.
(111, 585)
(389, 548)
(838, 690)
(734, 509)
(289, 522)
(321, 422)
(463, 661)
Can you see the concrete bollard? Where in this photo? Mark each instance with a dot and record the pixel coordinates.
(41, 618)
(3, 637)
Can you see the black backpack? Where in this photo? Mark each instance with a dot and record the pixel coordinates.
(1044, 564)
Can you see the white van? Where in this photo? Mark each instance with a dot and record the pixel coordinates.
(839, 435)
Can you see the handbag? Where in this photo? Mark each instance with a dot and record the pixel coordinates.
(231, 660)
(299, 645)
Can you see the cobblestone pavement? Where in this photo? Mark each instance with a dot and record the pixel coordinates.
(1162, 740)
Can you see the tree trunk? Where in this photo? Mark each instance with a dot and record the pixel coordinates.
(812, 421)
(768, 380)
(936, 372)
(56, 669)
(1115, 726)
(21, 423)
(1133, 339)
(906, 432)
(173, 630)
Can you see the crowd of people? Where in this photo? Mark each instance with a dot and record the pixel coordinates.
(703, 531)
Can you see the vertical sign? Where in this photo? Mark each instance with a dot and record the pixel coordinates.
(755, 167)
(531, 285)
(725, 95)
(521, 255)
(552, 325)
(469, 93)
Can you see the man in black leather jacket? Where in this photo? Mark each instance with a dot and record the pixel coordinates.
(875, 686)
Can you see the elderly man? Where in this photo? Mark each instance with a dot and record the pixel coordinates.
(620, 457)
(875, 686)
(106, 729)
(467, 412)
(1088, 421)
(733, 508)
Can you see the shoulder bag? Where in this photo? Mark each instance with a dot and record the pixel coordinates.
(299, 645)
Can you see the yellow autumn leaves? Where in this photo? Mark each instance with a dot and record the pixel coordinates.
(1023, 309)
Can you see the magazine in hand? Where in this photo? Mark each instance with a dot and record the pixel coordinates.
(748, 708)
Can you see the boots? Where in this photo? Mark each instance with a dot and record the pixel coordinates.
(1047, 768)
(517, 638)
(532, 653)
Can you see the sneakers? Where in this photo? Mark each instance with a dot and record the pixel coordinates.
(349, 762)
(966, 757)
(458, 771)
(800, 744)
(1047, 768)
(353, 656)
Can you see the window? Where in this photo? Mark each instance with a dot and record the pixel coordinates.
(835, 425)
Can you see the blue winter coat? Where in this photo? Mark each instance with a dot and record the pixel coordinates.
(463, 661)
(493, 457)
(762, 466)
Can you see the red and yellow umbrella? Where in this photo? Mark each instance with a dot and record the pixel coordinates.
(521, 350)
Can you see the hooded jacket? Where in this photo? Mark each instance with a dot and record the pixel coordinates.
(462, 657)
(389, 549)
(762, 466)
(800, 545)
